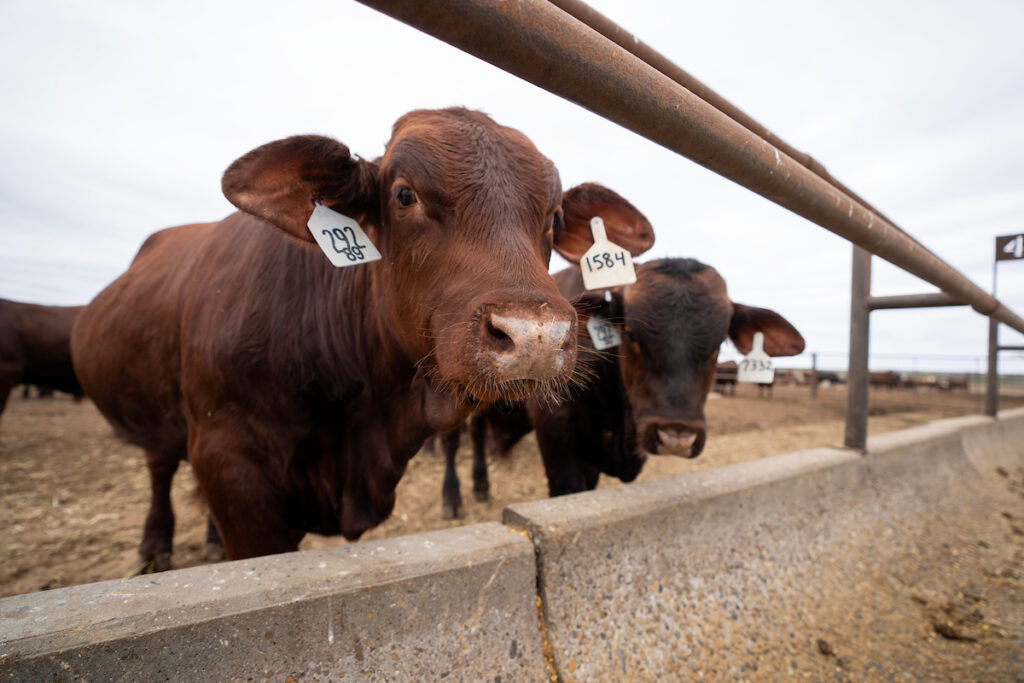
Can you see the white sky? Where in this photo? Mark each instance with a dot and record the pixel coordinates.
(119, 118)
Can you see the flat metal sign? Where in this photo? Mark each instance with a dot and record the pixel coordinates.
(1010, 247)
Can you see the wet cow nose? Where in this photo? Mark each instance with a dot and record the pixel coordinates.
(683, 440)
(524, 344)
(676, 441)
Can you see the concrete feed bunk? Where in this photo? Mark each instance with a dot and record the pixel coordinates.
(821, 563)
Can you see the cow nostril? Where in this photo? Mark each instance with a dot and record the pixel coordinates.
(498, 338)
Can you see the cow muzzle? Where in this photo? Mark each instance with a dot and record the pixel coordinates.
(674, 438)
(521, 345)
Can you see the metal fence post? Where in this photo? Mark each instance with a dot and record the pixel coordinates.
(992, 376)
(814, 376)
(857, 377)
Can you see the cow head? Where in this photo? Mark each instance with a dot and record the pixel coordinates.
(673, 320)
(465, 213)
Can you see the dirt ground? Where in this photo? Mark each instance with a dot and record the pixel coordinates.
(73, 498)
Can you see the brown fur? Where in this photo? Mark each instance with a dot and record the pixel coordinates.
(35, 348)
(299, 391)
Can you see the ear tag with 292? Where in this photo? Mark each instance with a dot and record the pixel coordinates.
(341, 238)
(603, 333)
(606, 264)
(757, 366)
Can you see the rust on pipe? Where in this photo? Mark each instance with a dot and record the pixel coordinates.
(938, 299)
(629, 42)
(540, 43)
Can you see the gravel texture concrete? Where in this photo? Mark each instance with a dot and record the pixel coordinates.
(459, 603)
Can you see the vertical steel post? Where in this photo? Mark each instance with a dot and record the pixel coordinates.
(992, 376)
(857, 378)
(814, 377)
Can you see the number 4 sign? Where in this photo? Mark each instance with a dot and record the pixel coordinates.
(1010, 247)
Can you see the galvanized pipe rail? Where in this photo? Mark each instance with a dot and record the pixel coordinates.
(936, 300)
(540, 43)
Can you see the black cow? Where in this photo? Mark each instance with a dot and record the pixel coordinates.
(648, 394)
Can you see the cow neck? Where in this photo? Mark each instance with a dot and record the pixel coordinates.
(363, 338)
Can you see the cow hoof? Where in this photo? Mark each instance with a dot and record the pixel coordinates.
(482, 496)
(214, 553)
(449, 511)
(158, 563)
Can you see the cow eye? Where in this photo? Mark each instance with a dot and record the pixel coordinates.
(557, 221)
(406, 197)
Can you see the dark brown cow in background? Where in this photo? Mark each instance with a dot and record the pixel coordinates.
(648, 394)
(298, 391)
(35, 348)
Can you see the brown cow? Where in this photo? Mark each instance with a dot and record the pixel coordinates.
(299, 391)
(646, 395)
(35, 348)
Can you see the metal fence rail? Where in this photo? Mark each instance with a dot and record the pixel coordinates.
(540, 43)
(572, 51)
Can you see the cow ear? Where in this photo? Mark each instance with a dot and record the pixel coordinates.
(780, 337)
(624, 224)
(281, 180)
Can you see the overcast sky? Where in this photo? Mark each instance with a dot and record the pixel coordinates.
(119, 118)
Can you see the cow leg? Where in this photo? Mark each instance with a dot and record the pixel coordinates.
(214, 546)
(158, 532)
(478, 434)
(560, 450)
(451, 497)
(248, 512)
(5, 390)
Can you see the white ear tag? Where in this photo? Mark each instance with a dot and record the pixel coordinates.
(603, 333)
(757, 366)
(341, 238)
(606, 264)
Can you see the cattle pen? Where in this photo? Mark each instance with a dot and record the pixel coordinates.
(722, 574)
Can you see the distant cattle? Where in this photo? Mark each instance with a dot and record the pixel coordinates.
(35, 348)
(725, 377)
(887, 379)
(648, 394)
(299, 391)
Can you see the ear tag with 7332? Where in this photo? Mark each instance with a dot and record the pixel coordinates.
(606, 264)
(757, 366)
(603, 333)
(341, 238)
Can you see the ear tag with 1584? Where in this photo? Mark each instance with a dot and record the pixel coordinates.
(606, 264)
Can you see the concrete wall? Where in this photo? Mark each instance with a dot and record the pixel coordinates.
(730, 573)
(458, 604)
